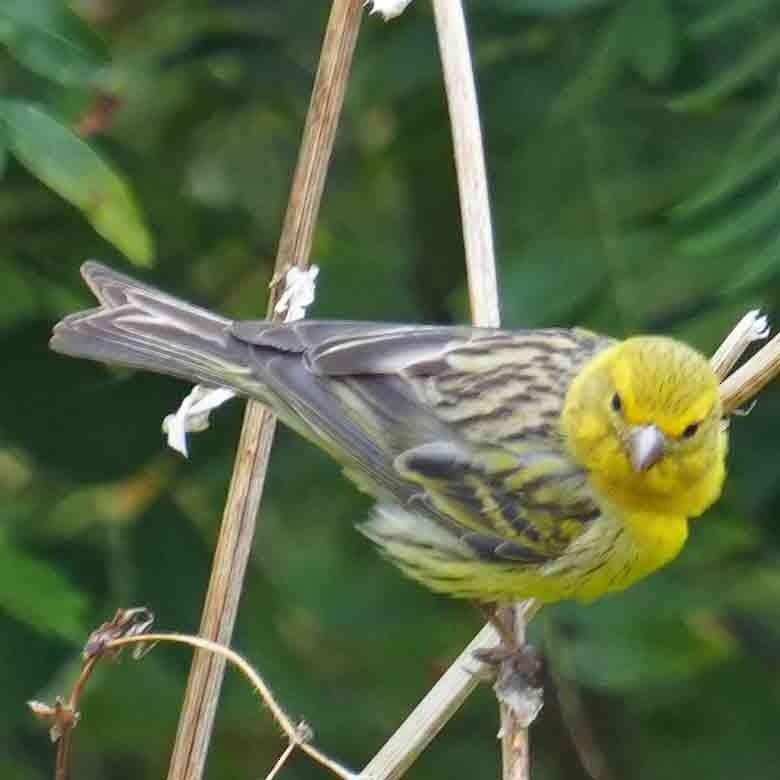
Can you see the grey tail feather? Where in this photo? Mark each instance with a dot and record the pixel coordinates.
(140, 327)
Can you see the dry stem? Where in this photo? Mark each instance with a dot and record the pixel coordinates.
(233, 547)
(469, 161)
(298, 734)
(751, 327)
(481, 267)
(752, 377)
(108, 642)
(433, 712)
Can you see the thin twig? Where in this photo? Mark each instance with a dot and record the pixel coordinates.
(232, 552)
(515, 747)
(752, 327)
(109, 640)
(64, 745)
(751, 378)
(64, 715)
(481, 267)
(469, 161)
(277, 767)
(297, 733)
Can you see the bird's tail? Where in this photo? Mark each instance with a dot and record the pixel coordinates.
(140, 327)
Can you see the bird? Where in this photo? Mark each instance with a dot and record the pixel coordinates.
(549, 464)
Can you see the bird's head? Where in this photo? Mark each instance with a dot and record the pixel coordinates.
(644, 418)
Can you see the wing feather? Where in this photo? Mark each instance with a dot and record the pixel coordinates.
(344, 348)
(456, 429)
(460, 424)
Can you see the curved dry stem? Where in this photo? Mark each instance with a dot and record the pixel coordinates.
(298, 734)
(481, 271)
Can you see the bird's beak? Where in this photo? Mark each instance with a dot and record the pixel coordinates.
(646, 446)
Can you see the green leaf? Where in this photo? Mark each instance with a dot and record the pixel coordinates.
(69, 166)
(735, 176)
(11, 767)
(534, 292)
(600, 72)
(762, 121)
(3, 151)
(612, 654)
(763, 266)
(20, 296)
(642, 33)
(548, 7)
(653, 30)
(726, 17)
(36, 594)
(740, 224)
(755, 64)
(49, 39)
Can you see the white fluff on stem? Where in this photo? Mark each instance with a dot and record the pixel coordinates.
(192, 415)
(388, 9)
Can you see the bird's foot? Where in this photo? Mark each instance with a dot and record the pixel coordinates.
(509, 656)
(525, 659)
(517, 671)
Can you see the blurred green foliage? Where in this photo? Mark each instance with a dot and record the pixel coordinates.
(635, 168)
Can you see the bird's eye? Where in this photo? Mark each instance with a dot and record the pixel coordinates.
(690, 430)
(617, 404)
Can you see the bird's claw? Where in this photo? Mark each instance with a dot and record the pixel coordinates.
(522, 661)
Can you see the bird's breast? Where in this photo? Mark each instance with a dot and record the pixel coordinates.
(616, 551)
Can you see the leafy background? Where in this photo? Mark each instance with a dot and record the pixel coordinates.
(635, 169)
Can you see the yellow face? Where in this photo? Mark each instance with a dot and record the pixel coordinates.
(644, 418)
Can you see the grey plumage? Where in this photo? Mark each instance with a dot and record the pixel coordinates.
(409, 410)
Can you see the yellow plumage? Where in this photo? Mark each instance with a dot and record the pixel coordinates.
(549, 464)
(643, 514)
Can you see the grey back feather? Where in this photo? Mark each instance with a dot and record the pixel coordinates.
(371, 394)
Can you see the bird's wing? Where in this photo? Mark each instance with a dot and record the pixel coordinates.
(509, 483)
(458, 423)
(344, 347)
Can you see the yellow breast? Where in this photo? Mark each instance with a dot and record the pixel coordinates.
(615, 552)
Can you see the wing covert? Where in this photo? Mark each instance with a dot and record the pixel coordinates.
(506, 507)
(460, 424)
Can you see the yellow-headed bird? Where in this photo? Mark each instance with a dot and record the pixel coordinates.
(506, 464)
